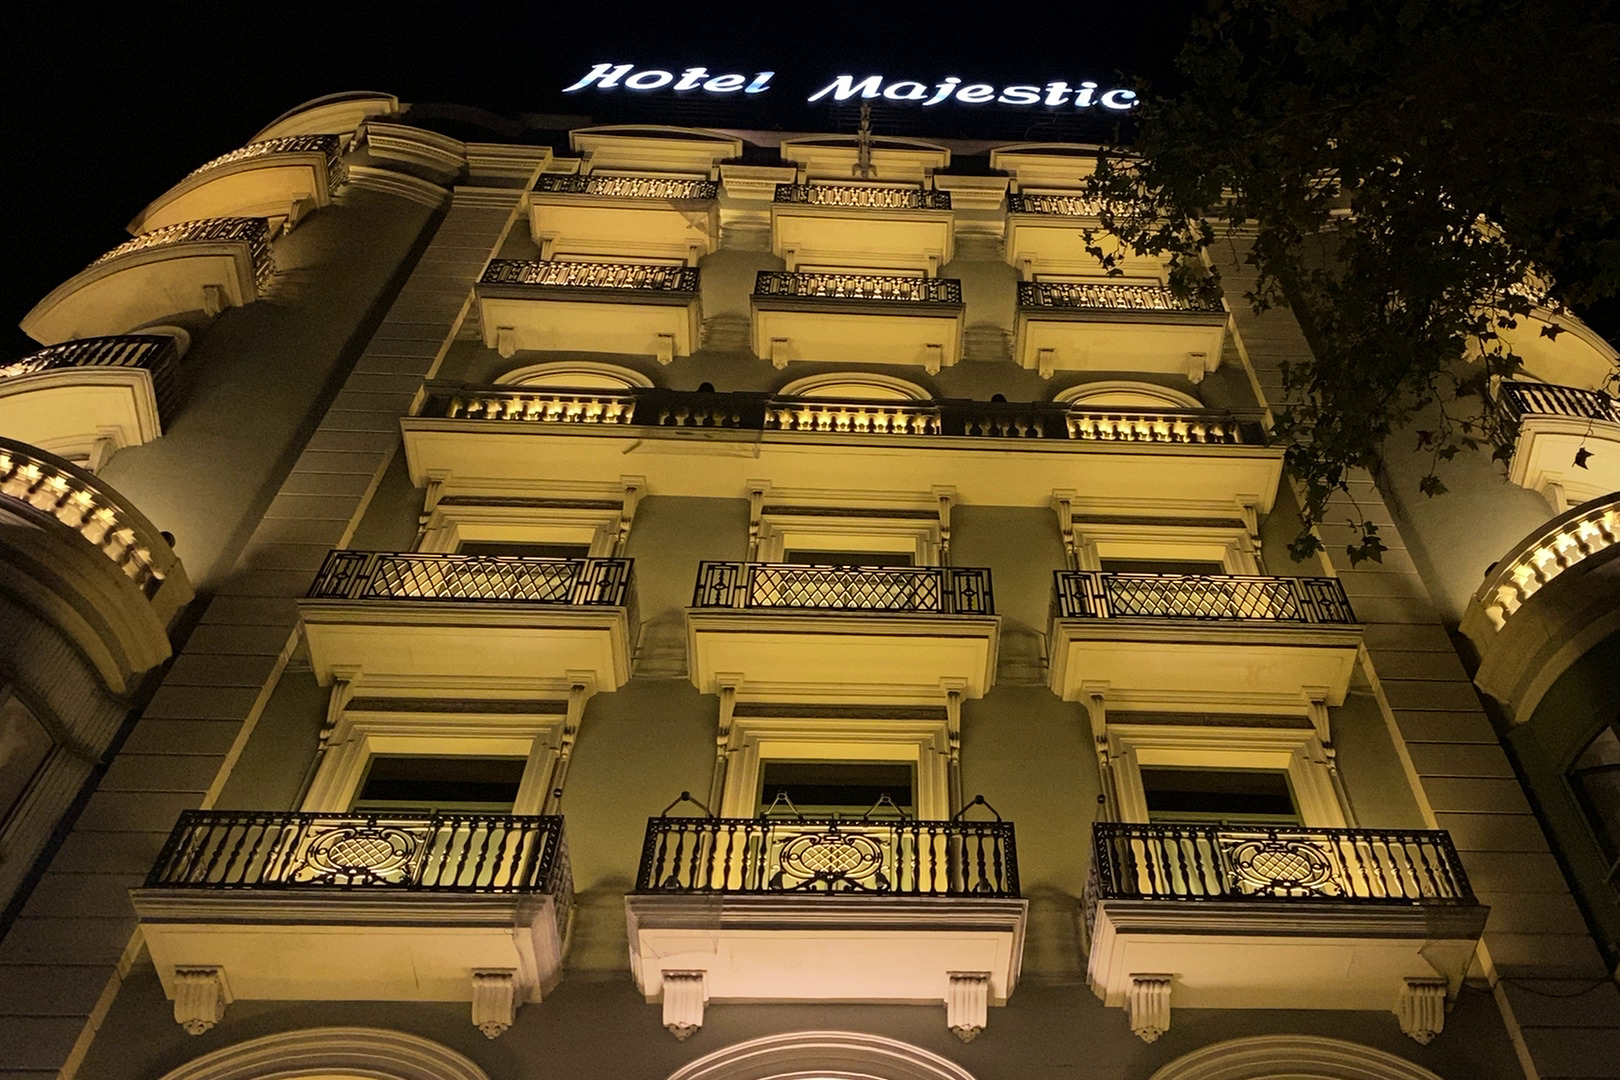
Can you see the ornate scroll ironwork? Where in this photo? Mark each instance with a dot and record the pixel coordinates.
(944, 590)
(1213, 862)
(861, 196)
(626, 187)
(752, 855)
(254, 232)
(154, 353)
(642, 277)
(1521, 399)
(328, 146)
(1094, 594)
(884, 288)
(1098, 296)
(378, 575)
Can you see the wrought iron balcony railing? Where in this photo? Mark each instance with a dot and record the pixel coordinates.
(859, 196)
(626, 187)
(760, 412)
(1099, 296)
(1265, 864)
(328, 146)
(638, 277)
(478, 853)
(939, 590)
(1096, 594)
(1057, 205)
(824, 855)
(1524, 399)
(383, 575)
(879, 288)
(154, 353)
(254, 232)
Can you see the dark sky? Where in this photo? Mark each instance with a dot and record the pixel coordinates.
(107, 109)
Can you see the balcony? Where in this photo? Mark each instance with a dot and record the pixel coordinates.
(331, 907)
(176, 272)
(83, 400)
(817, 909)
(862, 227)
(615, 216)
(1094, 326)
(644, 308)
(857, 318)
(286, 177)
(1558, 426)
(1206, 916)
(1046, 234)
(73, 547)
(834, 633)
(483, 437)
(1211, 643)
(415, 622)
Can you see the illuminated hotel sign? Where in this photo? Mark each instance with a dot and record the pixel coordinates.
(844, 87)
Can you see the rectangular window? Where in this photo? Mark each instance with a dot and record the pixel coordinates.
(845, 788)
(806, 557)
(1161, 566)
(515, 548)
(431, 785)
(1236, 796)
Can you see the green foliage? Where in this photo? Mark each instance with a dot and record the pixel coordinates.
(1410, 177)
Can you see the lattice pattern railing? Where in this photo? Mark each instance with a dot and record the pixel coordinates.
(1098, 296)
(823, 855)
(878, 287)
(381, 575)
(626, 187)
(943, 590)
(253, 232)
(1059, 205)
(1522, 399)
(328, 146)
(644, 277)
(860, 196)
(41, 487)
(154, 353)
(482, 853)
(1264, 864)
(1096, 594)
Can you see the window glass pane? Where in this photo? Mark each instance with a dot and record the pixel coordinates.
(842, 787)
(805, 557)
(431, 784)
(1161, 566)
(1252, 795)
(1595, 777)
(512, 547)
(24, 746)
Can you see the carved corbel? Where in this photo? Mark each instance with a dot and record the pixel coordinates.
(506, 341)
(345, 681)
(1062, 502)
(756, 508)
(684, 998)
(1196, 367)
(580, 686)
(946, 497)
(722, 736)
(1421, 1008)
(1097, 713)
(494, 1000)
(1147, 1004)
(633, 486)
(967, 1001)
(200, 997)
(954, 689)
(1045, 362)
(664, 348)
(1248, 510)
(933, 358)
(436, 481)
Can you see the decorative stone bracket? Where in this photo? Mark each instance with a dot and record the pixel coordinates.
(684, 997)
(967, 1003)
(494, 1001)
(1421, 1008)
(1147, 1004)
(200, 997)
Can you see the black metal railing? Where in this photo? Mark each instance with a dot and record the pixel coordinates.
(1522, 399)
(386, 575)
(484, 853)
(153, 353)
(1262, 863)
(253, 232)
(941, 590)
(863, 197)
(825, 855)
(764, 412)
(1057, 205)
(1098, 594)
(1099, 296)
(330, 147)
(878, 288)
(639, 277)
(626, 187)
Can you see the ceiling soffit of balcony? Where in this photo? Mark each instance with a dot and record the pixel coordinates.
(81, 413)
(880, 240)
(506, 458)
(628, 229)
(266, 187)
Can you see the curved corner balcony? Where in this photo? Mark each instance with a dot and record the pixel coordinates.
(419, 622)
(1545, 603)
(1260, 917)
(623, 216)
(193, 268)
(1210, 642)
(372, 907)
(1567, 444)
(857, 318)
(78, 551)
(285, 177)
(862, 225)
(646, 308)
(822, 909)
(1097, 326)
(833, 633)
(83, 400)
(330, 114)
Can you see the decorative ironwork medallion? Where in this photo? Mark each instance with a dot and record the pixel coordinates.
(838, 859)
(1274, 866)
(355, 854)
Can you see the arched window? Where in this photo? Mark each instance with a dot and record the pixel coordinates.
(855, 385)
(1128, 395)
(575, 375)
(825, 1055)
(334, 1053)
(1284, 1057)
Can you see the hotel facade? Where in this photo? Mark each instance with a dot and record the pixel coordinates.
(662, 602)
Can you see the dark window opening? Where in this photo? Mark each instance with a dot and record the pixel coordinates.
(1161, 566)
(845, 788)
(1256, 796)
(427, 785)
(808, 557)
(510, 548)
(1595, 776)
